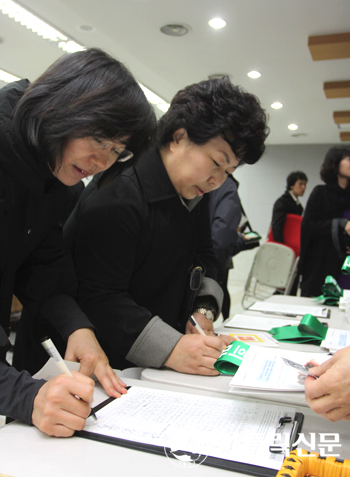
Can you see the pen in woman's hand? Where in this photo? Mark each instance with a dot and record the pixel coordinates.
(52, 351)
(196, 325)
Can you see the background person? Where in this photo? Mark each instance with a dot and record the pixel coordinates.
(136, 241)
(288, 203)
(225, 214)
(325, 227)
(51, 135)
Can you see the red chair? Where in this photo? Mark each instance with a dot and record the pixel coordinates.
(291, 233)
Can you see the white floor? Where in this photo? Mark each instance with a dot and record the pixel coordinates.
(237, 278)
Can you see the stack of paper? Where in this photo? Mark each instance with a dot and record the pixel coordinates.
(336, 339)
(264, 369)
(249, 322)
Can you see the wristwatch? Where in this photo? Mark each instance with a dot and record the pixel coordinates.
(207, 312)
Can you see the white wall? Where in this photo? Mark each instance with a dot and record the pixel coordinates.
(262, 183)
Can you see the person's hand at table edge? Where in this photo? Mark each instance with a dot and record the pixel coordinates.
(329, 395)
(83, 347)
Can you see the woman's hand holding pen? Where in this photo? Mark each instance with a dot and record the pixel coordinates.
(208, 328)
(83, 347)
(195, 354)
(57, 411)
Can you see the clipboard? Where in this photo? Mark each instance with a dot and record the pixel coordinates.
(254, 470)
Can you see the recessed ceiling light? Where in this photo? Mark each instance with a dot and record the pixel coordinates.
(254, 74)
(86, 27)
(217, 23)
(292, 127)
(277, 105)
(173, 29)
(217, 75)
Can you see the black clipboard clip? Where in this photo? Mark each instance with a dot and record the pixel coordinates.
(288, 426)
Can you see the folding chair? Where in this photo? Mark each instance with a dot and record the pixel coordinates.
(274, 268)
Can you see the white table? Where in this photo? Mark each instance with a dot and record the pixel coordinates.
(26, 452)
(220, 384)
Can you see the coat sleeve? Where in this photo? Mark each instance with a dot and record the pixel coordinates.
(17, 392)
(46, 283)
(104, 234)
(278, 218)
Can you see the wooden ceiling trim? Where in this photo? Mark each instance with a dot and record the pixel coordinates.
(337, 89)
(345, 136)
(329, 47)
(341, 117)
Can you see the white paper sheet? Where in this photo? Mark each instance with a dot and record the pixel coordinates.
(224, 428)
(264, 368)
(336, 339)
(278, 308)
(248, 322)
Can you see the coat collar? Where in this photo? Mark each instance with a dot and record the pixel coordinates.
(155, 182)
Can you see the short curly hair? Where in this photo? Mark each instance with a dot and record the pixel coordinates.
(215, 108)
(330, 166)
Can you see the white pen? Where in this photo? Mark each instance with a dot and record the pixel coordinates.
(53, 352)
(198, 327)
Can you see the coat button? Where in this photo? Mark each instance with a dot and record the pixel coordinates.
(29, 231)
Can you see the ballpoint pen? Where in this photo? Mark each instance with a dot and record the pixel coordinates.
(53, 352)
(196, 325)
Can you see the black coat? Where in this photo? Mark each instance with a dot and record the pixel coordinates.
(284, 205)
(134, 244)
(33, 265)
(318, 255)
(225, 212)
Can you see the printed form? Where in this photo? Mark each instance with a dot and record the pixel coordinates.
(225, 428)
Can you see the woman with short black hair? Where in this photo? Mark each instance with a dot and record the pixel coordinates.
(325, 228)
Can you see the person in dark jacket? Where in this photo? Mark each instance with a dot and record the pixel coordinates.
(288, 203)
(138, 242)
(225, 212)
(72, 122)
(325, 228)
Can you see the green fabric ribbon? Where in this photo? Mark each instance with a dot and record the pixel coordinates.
(310, 330)
(231, 358)
(346, 266)
(331, 291)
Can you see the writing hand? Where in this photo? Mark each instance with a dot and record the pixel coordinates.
(195, 354)
(83, 347)
(57, 411)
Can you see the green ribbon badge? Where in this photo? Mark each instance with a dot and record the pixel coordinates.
(310, 330)
(231, 358)
(346, 266)
(331, 291)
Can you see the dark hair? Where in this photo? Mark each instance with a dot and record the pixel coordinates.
(87, 93)
(330, 167)
(217, 108)
(295, 176)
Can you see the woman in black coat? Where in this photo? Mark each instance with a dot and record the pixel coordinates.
(325, 228)
(72, 122)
